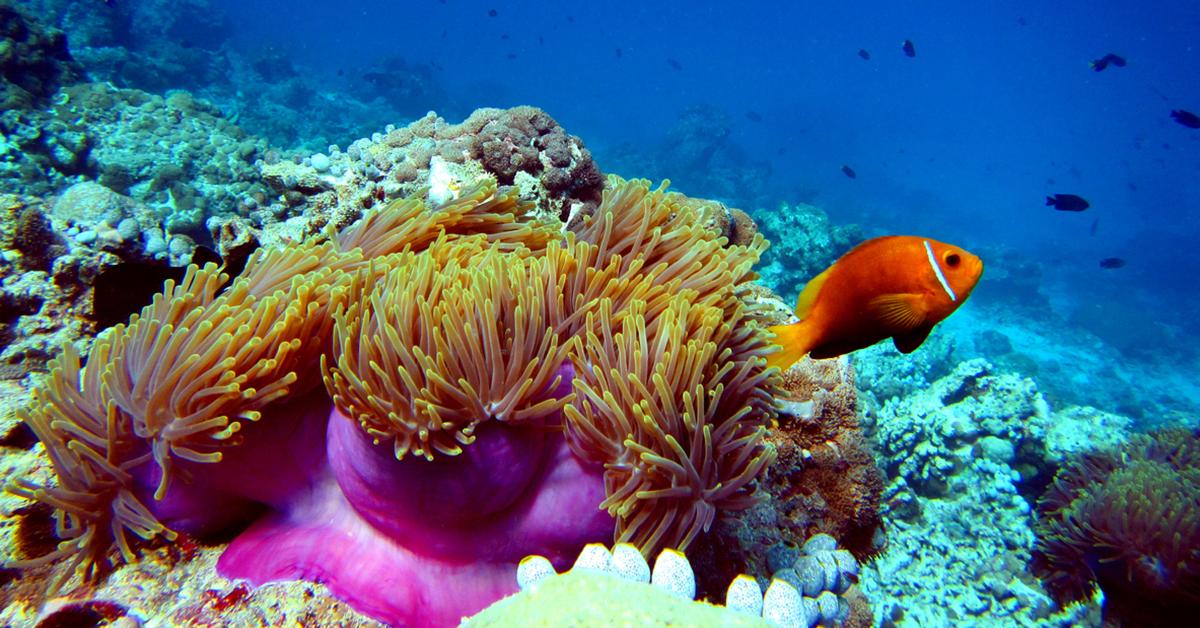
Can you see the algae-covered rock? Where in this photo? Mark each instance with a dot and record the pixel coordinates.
(580, 598)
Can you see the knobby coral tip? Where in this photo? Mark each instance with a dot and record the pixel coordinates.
(783, 606)
(745, 596)
(594, 557)
(673, 573)
(532, 570)
(628, 563)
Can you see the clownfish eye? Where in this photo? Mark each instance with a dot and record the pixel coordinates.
(952, 259)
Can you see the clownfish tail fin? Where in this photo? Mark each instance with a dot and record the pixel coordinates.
(795, 340)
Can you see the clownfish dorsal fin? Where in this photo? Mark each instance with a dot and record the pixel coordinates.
(808, 296)
(899, 313)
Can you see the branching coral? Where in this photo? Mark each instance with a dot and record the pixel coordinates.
(463, 348)
(1127, 521)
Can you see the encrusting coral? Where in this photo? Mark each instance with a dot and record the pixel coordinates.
(494, 386)
(1127, 521)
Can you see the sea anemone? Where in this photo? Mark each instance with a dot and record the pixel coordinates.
(494, 386)
(1128, 522)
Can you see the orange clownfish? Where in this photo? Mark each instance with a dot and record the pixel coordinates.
(895, 287)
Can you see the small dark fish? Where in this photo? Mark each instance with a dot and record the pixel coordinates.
(503, 35)
(909, 49)
(1067, 202)
(1112, 262)
(1109, 59)
(541, 40)
(1021, 21)
(511, 56)
(675, 65)
(493, 13)
(571, 19)
(619, 53)
(849, 172)
(862, 52)
(341, 72)
(1132, 186)
(753, 116)
(444, 33)
(1186, 118)
(1094, 227)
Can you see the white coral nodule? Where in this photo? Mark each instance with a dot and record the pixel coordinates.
(782, 605)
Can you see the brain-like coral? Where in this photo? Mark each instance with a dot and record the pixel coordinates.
(1127, 520)
(449, 388)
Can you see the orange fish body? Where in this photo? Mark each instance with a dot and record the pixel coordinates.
(895, 287)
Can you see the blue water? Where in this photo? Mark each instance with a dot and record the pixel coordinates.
(960, 142)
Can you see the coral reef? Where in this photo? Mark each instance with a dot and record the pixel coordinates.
(965, 459)
(803, 243)
(153, 45)
(824, 480)
(305, 109)
(522, 146)
(77, 262)
(161, 45)
(828, 478)
(642, 311)
(42, 303)
(34, 60)
(967, 417)
(175, 153)
(1127, 521)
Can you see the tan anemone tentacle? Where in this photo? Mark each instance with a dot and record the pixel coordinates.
(91, 446)
(647, 409)
(454, 342)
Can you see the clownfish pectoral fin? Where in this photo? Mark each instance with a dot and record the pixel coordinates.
(907, 343)
(898, 313)
(796, 341)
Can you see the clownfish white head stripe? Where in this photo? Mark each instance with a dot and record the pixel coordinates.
(937, 270)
